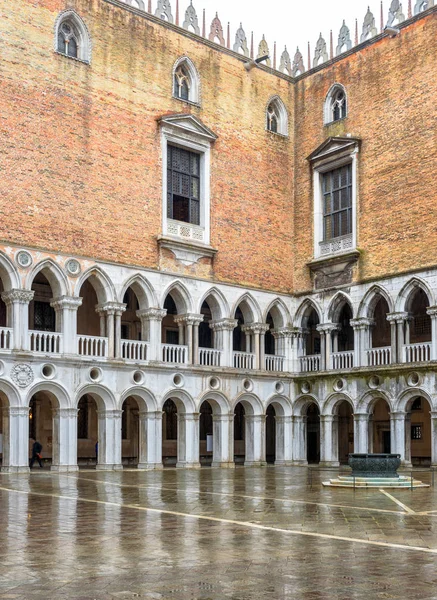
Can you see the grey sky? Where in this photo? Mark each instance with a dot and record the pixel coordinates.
(288, 22)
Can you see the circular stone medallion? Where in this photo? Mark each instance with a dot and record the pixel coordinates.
(24, 259)
(22, 375)
(73, 267)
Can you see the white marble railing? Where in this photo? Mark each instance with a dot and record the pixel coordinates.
(90, 345)
(418, 352)
(185, 230)
(244, 360)
(342, 360)
(274, 363)
(133, 350)
(209, 357)
(379, 356)
(310, 363)
(174, 353)
(5, 338)
(48, 342)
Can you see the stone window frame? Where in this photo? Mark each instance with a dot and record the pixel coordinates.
(328, 109)
(330, 163)
(194, 87)
(84, 42)
(282, 116)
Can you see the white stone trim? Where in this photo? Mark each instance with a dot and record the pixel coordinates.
(85, 44)
(194, 94)
(328, 116)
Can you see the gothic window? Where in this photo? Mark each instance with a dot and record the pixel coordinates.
(82, 419)
(336, 104)
(72, 37)
(183, 185)
(337, 202)
(276, 117)
(186, 81)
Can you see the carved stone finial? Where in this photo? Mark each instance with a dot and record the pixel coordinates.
(274, 56)
(191, 22)
(204, 24)
(309, 56)
(163, 11)
(228, 40)
(251, 46)
(298, 66)
(216, 32)
(382, 16)
(422, 5)
(320, 54)
(369, 27)
(331, 45)
(285, 64)
(410, 11)
(263, 50)
(344, 39)
(356, 32)
(241, 41)
(177, 13)
(395, 14)
(149, 6)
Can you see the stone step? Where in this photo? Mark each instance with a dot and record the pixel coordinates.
(377, 482)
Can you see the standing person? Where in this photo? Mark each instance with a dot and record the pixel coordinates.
(36, 454)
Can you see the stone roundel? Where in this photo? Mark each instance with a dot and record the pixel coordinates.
(22, 375)
(73, 267)
(24, 259)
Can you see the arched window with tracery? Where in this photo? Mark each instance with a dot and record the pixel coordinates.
(336, 104)
(277, 117)
(71, 36)
(186, 81)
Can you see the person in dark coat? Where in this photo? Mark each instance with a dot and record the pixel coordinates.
(36, 454)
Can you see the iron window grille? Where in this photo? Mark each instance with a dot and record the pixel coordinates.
(183, 185)
(337, 203)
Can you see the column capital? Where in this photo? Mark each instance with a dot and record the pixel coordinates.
(398, 317)
(72, 302)
(299, 418)
(286, 332)
(110, 414)
(283, 418)
(398, 415)
(327, 418)
(68, 413)
(189, 319)
(362, 323)
(433, 414)
(361, 416)
(223, 418)
(256, 418)
(327, 327)
(17, 296)
(152, 415)
(223, 324)
(188, 416)
(111, 308)
(151, 314)
(17, 411)
(431, 311)
(255, 328)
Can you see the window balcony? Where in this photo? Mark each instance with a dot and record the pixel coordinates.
(92, 346)
(46, 342)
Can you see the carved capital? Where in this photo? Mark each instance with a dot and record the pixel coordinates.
(431, 311)
(223, 325)
(17, 296)
(109, 414)
(255, 328)
(66, 413)
(189, 319)
(362, 323)
(111, 308)
(285, 332)
(70, 302)
(151, 314)
(327, 327)
(398, 317)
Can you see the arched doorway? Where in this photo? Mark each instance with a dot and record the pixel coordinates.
(239, 434)
(271, 434)
(130, 432)
(313, 434)
(169, 433)
(418, 432)
(345, 431)
(87, 431)
(379, 428)
(41, 408)
(206, 433)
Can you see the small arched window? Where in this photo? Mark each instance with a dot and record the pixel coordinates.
(336, 104)
(186, 81)
(277, 117)
(71, 36)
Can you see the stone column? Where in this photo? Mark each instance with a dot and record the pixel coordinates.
(15, 440)
(284, 347)
(299, 440)
(433, 439)
(432, 312)
(188, 321)
(361, 329)
(255, 330)
(223, 339)
(361, 433)
(112, 311)
(327, 329)
(109, 435)
(17, 306)
(393, 345)
(255, 436)
(321, 330)
(150, 442)
(64, 457)
(398, 422)
(118, 314)
(188, 441)
(66, 308)
(223, 441)
(151, 331)
(328, 453)
(284, 440)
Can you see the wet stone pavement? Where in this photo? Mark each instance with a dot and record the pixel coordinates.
(213, 534)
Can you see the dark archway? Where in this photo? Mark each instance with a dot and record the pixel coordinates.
(380, 436)
(313, 434)
(345, 432)
(239, 433)
(130, 432)
(270, 434)
(205, 433)
(169, 433)
(87, 431)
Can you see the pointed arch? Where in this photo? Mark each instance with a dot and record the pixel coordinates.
(280, 313)
(251, 403)
(305, 310)
(302, 403)
(371, 299)
(217, 303)
(104, 398)
(55, 276)
(181, 297)
(336, 305)
(407, 293)
(143, 291)
(368, 400)
(9, 273)
(144, 397)
(281, 404)
(183, 400)
(336, 104)
(332, 403)
(185, 73)
(276, 116)
(101, 283)
(219, 402)
(72, 37)
(249, 307)
(55, 392)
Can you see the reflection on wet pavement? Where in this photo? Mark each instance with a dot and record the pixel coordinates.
(213, 534)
